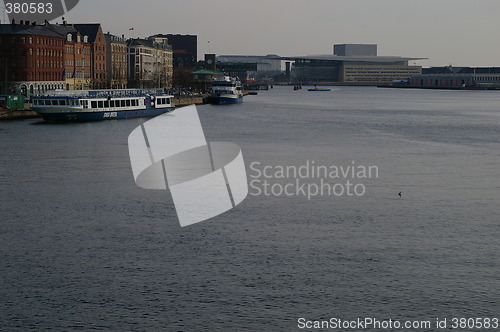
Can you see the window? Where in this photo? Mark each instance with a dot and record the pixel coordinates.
(94, 104)
(54, 102)
(122, 102)
(128, 102)
(101, 104)
(106, 103)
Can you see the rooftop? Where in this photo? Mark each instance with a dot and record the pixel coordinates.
(328, 57)
(17, 29)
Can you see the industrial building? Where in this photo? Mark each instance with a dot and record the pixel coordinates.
(457, 78)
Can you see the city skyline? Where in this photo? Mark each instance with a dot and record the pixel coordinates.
(448, 32)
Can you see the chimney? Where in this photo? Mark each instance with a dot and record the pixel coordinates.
(27, 22)
(13, 21)
(21, 22)
(33, 24)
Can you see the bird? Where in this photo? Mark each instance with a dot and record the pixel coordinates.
(400, 194)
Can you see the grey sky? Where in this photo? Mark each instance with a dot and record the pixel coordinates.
(458, 32)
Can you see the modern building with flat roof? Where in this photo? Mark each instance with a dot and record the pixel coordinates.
(352, 64)
(355, 49)
(362, 70)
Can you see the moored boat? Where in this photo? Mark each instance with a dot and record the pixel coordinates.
(226, 91)
(88, 105)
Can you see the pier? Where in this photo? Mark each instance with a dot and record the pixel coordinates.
(15, 114)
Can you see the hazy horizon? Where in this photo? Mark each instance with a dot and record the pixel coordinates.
(448, 32)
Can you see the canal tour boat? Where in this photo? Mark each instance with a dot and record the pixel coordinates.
(226, 91)
(87, 105)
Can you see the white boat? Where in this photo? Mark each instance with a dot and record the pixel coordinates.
(84, 105)
(226, 91)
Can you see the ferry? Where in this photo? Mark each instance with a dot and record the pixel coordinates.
(85, 105)
(226, 91)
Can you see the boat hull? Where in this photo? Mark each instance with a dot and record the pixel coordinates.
(225, 100)
(96, 116)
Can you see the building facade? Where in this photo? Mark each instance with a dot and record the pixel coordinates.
(31, 59)
(457, 78)
(355, 49)
(77, 57)
(266, 67)
(116, 62)
(149, 63)
(185, 57)
(360, 70)
(165, 61)
(98, 53)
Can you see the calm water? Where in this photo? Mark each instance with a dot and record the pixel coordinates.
(83, 248)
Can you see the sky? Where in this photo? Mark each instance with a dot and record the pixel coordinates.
(448, 32)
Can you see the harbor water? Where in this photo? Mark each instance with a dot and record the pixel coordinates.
(83, 248)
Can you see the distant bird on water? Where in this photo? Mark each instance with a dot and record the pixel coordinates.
(400, 194)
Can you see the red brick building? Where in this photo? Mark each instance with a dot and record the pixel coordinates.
(98, 53)
(77, 57)
(31, 59)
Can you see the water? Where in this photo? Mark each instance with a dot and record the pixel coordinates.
(83, 248)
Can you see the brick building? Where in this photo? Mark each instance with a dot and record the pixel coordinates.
(98, 53)
(31, 59)
(77, 57)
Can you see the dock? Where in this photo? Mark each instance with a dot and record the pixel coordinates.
(16, 114)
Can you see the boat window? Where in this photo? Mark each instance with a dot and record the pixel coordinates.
(47, 102)
(111, 103)
(94, 104)
(54, 102)
(106, 103)
(122, 102)
(168, 101)
(100, 104)
(134, 102)
(128, 102)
